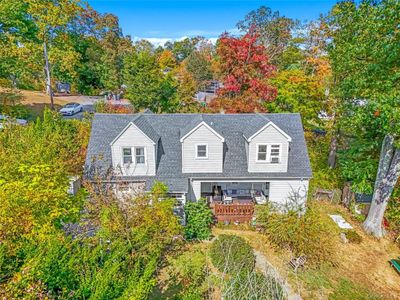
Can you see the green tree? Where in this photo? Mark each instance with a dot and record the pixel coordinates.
(115, 48)
(200, 67)
(36, 38)
(365, 62)
(147, 86)
(183, 48)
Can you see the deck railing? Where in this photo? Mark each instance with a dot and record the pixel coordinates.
(235, 212)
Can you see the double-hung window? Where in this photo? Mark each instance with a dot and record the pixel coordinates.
(262, 152)
(201, 151)
(275, 154)
(127, 156)
(139, 155)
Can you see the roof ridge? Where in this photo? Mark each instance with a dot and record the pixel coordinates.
(263, 116)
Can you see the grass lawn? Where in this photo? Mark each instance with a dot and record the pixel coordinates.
(361, 271)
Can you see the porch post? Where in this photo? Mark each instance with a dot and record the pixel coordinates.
(196, 186)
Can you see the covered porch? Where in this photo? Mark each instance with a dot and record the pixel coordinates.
(235, 192)
(234, 201)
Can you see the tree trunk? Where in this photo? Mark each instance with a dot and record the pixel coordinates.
(49, 90)
(386, 179)
(332, 152)
(347, 195)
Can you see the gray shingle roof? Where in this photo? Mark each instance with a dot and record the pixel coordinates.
(254, 124)
(168, 127)
(141, 122)
(196, 120)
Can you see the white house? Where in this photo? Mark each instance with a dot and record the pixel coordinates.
(223, 157)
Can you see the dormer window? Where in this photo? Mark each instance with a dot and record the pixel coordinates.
(139, 155)
(127, 155)
(201, 151)
(270, 153)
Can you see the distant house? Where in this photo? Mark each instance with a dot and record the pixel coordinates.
(209, 93)
(63, 88)
(225, 158)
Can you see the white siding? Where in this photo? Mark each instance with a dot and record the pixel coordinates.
(133, 137)
(269, 135)
(212, 164)
(280, 190)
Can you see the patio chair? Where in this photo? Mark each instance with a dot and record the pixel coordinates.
(298, 262)
(395, 264)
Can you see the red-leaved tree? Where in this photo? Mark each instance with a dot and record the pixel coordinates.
(245, 72)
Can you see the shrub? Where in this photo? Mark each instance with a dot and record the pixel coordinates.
(198, 220)
(114, 263)
(253, 285)
(353, 237)
(17, 111)
(110, 108)
(232, 254)
(312, 234)
(10, 104)
(189, 272)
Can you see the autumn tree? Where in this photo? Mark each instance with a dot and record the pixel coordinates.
(186, 91)
(274, 31)
(245, 72)
(36, 160)
(297, 92)
(167, 60)
(16, 62)
(365, 63)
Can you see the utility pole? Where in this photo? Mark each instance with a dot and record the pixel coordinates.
(49, 90)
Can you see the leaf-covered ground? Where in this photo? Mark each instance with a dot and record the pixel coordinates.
(362, 270)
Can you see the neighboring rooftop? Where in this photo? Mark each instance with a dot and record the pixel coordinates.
(168, 128)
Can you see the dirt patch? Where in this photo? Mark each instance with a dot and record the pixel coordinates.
(34, 97)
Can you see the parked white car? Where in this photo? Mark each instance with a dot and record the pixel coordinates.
(8, 120)
(71, 109)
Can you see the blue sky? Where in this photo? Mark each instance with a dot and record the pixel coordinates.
(160, 20)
